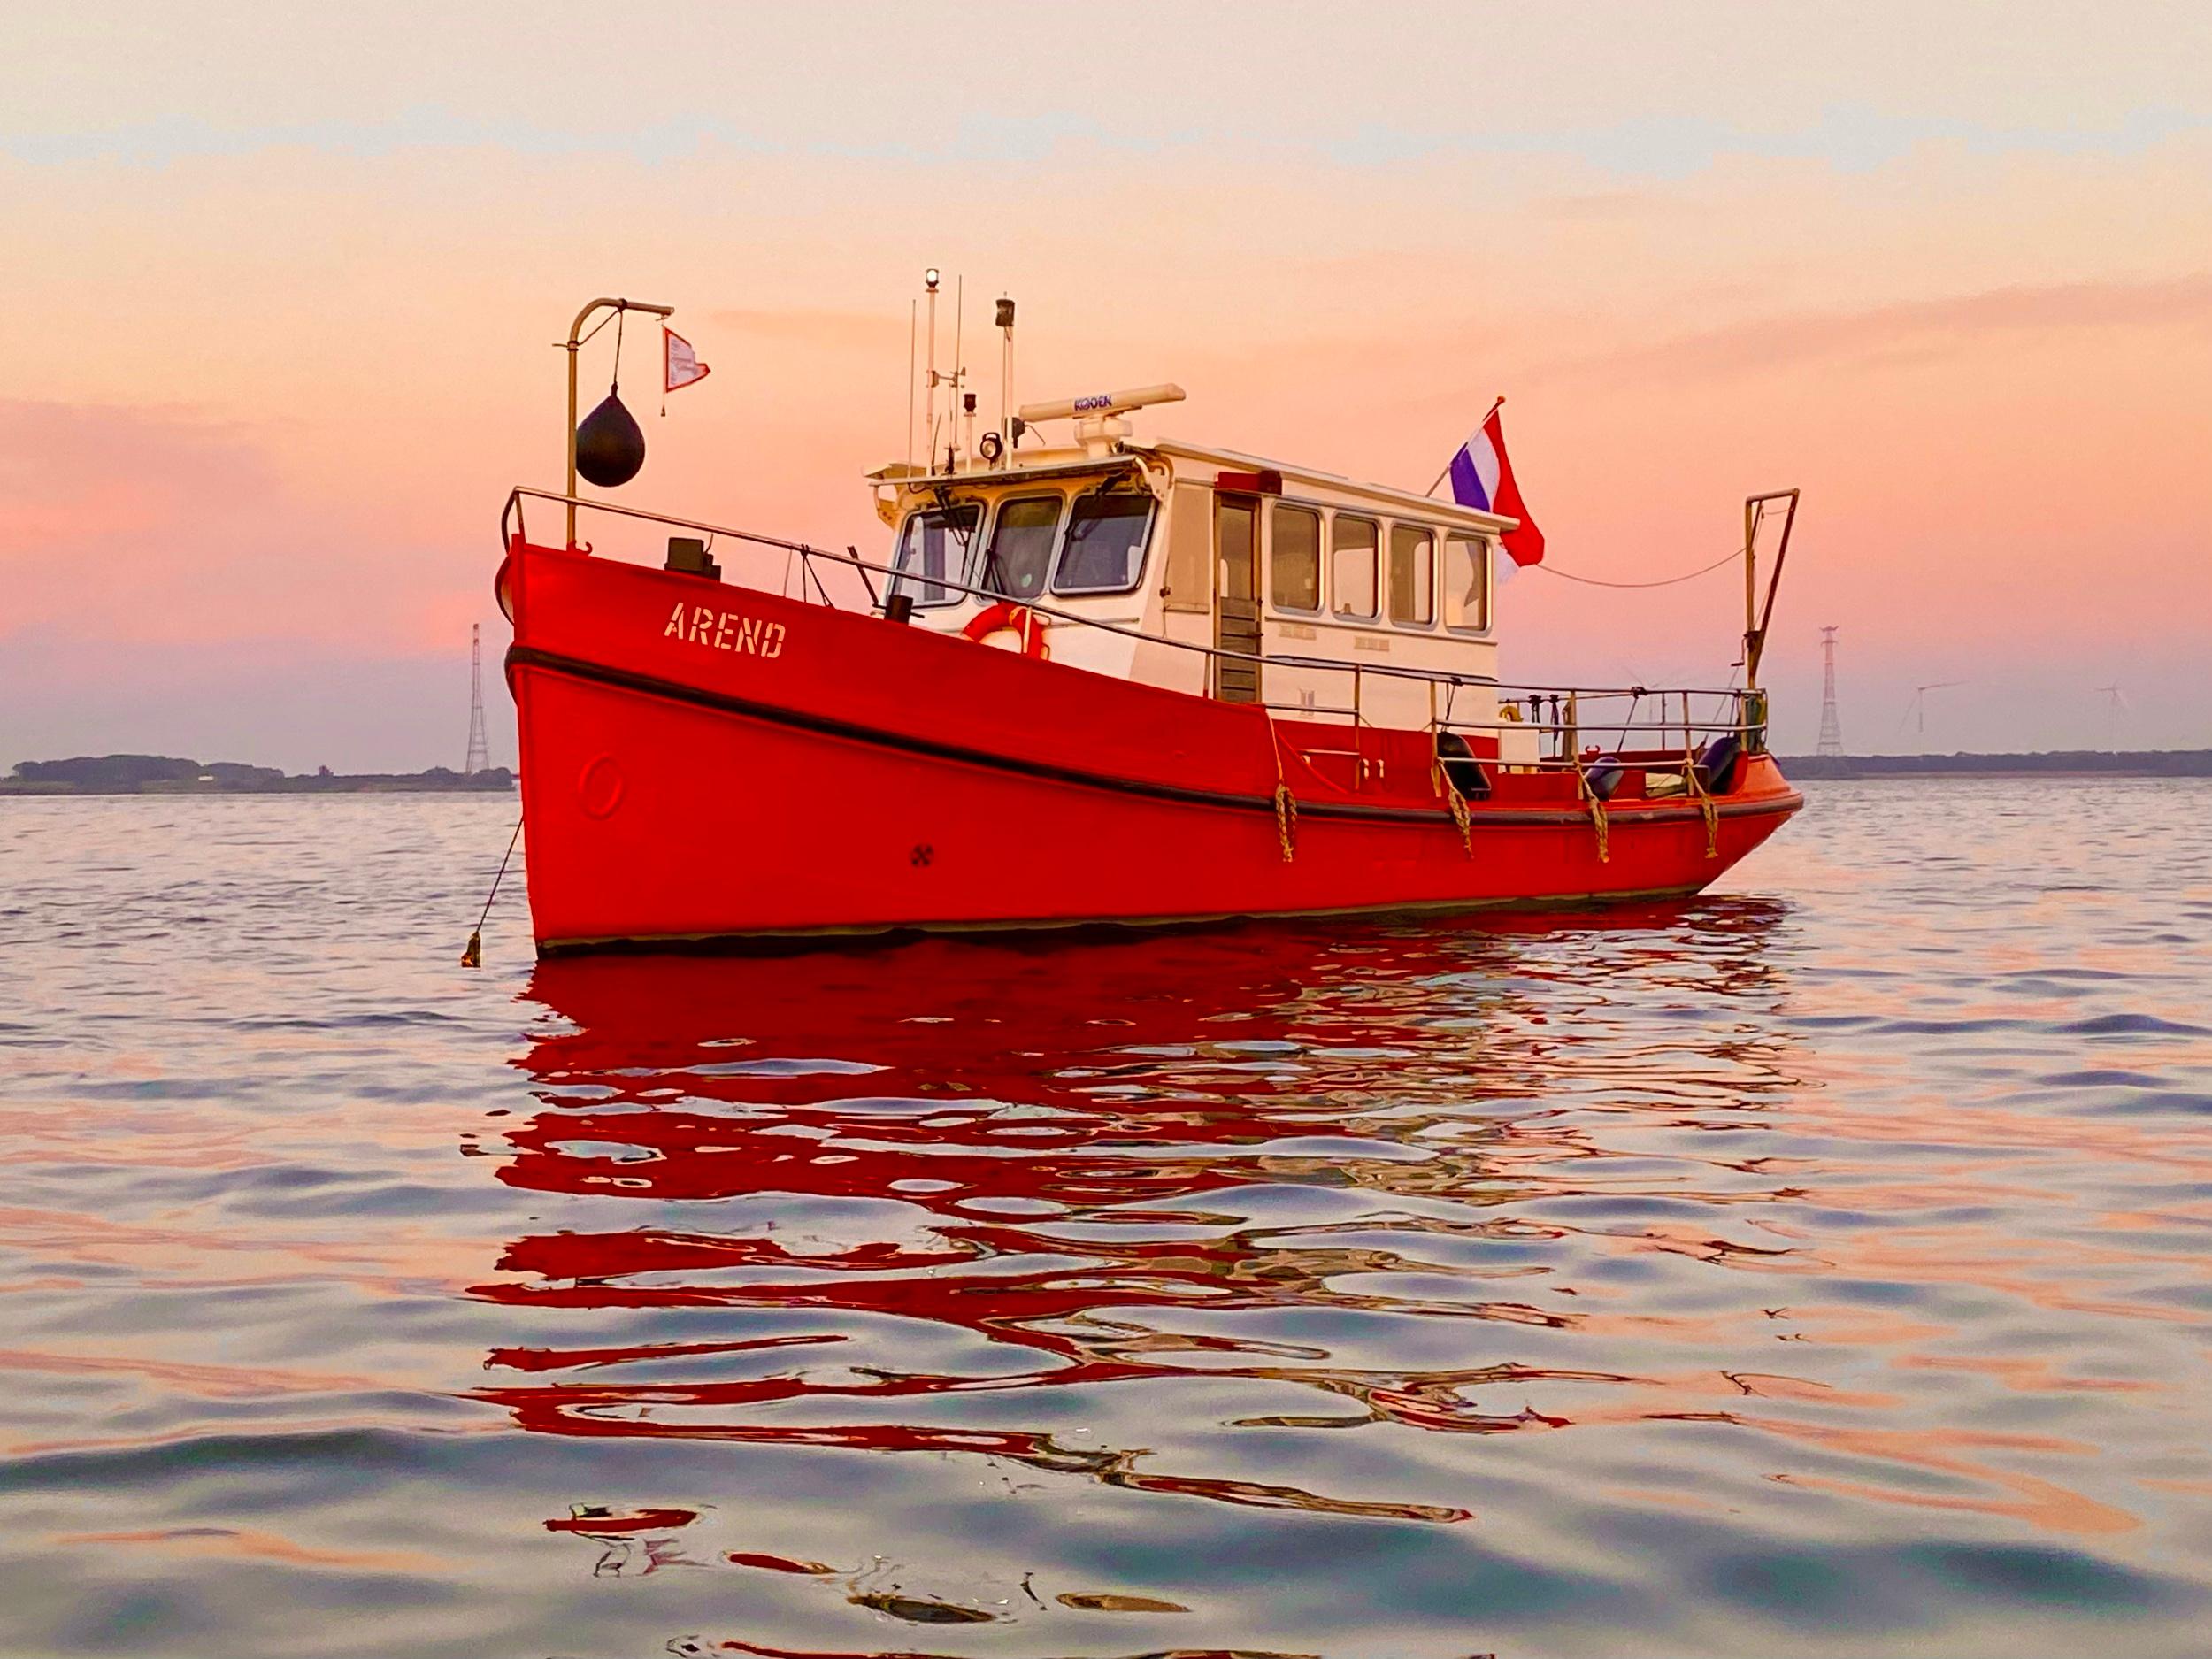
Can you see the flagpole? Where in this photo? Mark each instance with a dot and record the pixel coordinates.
(1479, 425)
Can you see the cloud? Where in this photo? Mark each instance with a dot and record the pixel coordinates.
(1919, 329)
(81, 478)
(1849, 137)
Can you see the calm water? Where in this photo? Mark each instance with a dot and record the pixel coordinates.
(1819, 1267)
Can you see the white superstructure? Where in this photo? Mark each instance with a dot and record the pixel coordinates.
(1285, 577)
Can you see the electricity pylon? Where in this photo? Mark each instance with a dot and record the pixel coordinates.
(479, 755)
(1831, 728)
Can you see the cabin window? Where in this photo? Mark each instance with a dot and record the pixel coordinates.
(1295, 558)
(1412, 575)
(1105, 545)
(1020, 549)
(1467, 583)
(934, 547)
(1352, 567)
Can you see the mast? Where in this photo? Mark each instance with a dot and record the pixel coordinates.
(1756, 617)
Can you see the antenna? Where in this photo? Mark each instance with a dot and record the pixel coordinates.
(1831, 728)
(479, 756)
(1104, 404)
(1006, 373)
(929, 407)
(960, 370)
(1098, 417)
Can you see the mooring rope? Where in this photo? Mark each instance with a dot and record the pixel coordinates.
(1596, 804)
(1459, 815)
(1285, 802)
(473, 953)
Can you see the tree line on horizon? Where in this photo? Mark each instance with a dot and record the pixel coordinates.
(138, 774)
(2144, 763)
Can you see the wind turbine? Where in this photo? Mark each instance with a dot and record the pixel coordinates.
(1917, 710)
(2116, 710)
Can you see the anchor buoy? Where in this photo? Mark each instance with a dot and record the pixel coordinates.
(1003, 615)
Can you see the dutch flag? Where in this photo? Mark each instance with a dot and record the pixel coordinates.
(1482, 478)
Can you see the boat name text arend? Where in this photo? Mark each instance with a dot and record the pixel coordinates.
(725, 631)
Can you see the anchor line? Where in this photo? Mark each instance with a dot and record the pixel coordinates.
(473, 953)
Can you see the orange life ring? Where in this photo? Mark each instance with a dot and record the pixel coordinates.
(1003, 615)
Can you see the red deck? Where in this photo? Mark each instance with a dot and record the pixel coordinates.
(702, 761)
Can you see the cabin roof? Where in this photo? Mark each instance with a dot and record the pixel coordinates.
(1128, 453)
(909, 477)
(1379, 495)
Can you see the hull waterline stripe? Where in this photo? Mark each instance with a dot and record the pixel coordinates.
(777, 714)
(708, 943)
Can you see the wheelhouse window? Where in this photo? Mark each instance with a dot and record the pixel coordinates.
(1103, 552)
(932, 548)
(1466, 583)
(1352, 567)
(1019, 554)
(1412, 576)
(1295, 558)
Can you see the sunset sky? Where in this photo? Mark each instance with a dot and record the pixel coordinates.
(280, 284)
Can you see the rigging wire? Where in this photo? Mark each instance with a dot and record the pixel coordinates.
(1664, 581)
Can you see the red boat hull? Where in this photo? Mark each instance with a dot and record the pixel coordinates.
(701, 762)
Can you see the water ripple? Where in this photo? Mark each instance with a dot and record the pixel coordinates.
(1816, 1266)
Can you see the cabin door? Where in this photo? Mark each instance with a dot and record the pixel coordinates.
(1237, 598)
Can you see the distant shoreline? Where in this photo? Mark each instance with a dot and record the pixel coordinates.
(2155, 763)
(170, 775)
(10, 788)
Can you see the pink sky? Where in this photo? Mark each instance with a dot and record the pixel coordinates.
(282, 285)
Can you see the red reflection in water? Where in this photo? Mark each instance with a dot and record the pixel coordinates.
(997, 1095)
(611, 1523)
(1064, 1154)
(777, 1563)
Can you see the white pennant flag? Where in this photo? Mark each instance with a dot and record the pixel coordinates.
(681, 361)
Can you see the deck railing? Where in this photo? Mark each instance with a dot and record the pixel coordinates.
(1570, 725)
